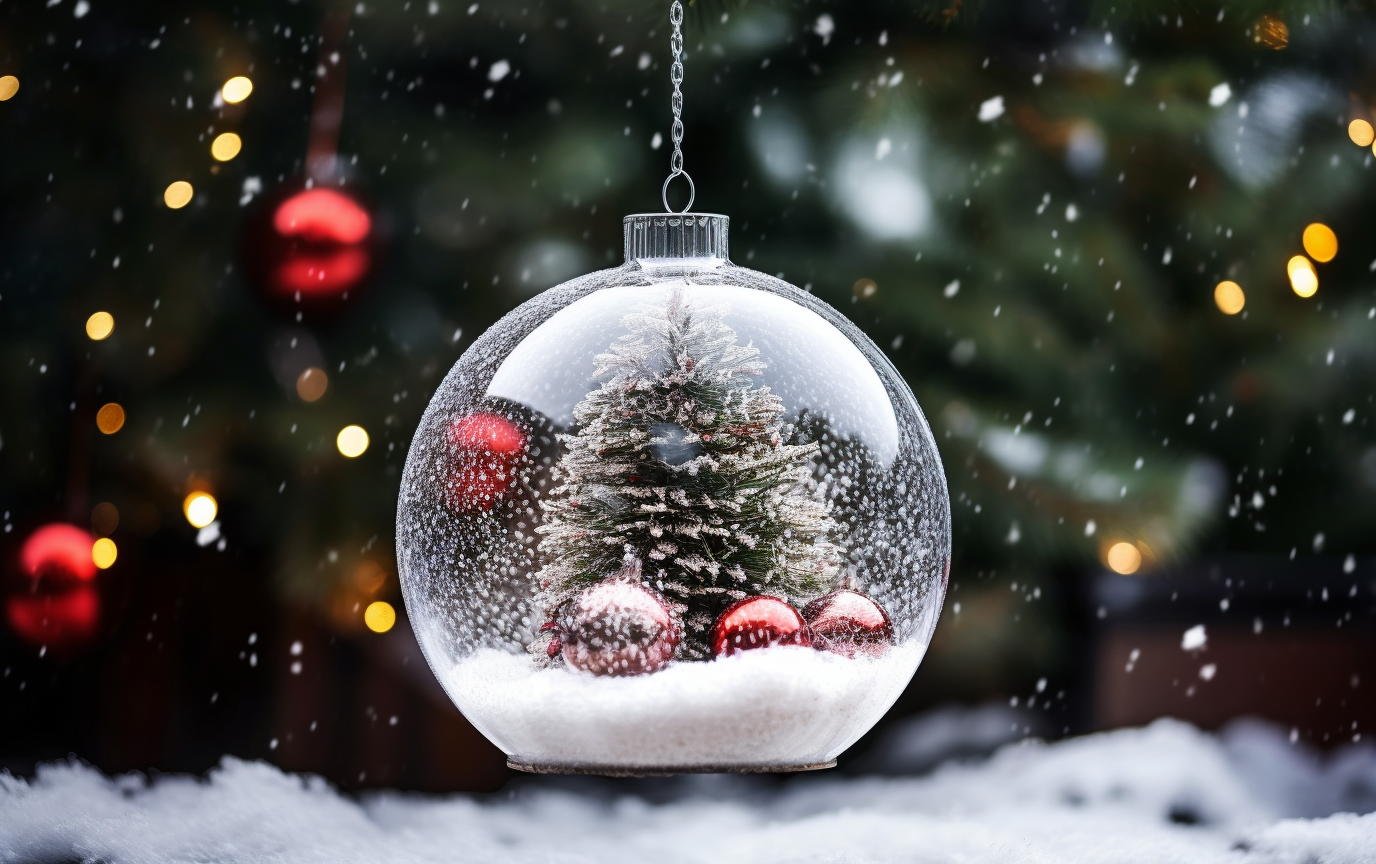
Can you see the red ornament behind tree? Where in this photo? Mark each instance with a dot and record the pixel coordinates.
(56, 604)
(617, 627)
(486, 452)
(758, 622)
(849, 623)
(308, 249)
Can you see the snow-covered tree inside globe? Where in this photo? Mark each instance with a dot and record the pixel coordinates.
(677, 515)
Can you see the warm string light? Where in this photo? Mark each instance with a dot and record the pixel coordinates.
(200, 509)
(352, 441)
(226, 146)
(1320, 242)
(380, 616)
(110, 418)
(104, 518)
(99, 326)
(311, 384)
(1270, 31)
(1303, 279)
(1229, 297)
(178, 195)
(1361, 132)
(1123, 557)
(236, 89)
(9, 85)
(104, 552)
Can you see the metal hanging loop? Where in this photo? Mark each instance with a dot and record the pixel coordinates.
(676, 103)
(664, 193)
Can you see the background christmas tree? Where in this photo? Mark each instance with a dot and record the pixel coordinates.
(949, 175)
(679, 465)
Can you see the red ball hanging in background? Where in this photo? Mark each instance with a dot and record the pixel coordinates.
(849, 623)
(486, 451)
(617, 627)
(758, 622)
(56, 604)
(308, 249)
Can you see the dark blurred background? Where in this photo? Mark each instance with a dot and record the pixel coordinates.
(1164, 492)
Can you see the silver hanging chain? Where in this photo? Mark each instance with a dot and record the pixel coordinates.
(676, 131)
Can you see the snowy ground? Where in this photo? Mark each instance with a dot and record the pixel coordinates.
(1165, 793)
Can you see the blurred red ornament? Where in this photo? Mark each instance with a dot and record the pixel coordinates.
(56, 605)
(758, 622)
(616, 627)
(61, 619)
(486, 450)
(59, 551)
(847, 622)
(310, 247)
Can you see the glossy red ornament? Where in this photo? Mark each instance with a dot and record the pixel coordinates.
(59, 617)
(758, 622)
(486, 452)
(617, 627)
(850, 623)
(309, 248)
(59, 551)
(56, 605)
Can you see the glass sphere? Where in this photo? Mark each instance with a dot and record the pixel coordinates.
(673, 516)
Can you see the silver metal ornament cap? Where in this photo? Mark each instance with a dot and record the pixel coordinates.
(662, 237)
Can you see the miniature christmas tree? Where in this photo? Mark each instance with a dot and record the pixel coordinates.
(680, 465)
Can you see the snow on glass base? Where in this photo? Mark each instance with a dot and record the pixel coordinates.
(777, 708)
(728, 450)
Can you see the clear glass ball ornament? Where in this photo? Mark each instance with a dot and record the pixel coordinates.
(673, 516)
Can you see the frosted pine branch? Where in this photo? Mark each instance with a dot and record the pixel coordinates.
(679, 462)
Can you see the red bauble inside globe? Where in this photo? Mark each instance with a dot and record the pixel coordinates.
(617, 627)
(485, 454)
(55, 603)
(849, 623)
(310, 249)
(758, 622)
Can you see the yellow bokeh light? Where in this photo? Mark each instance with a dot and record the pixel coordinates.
(1320, 242)
(100, 325)
(236, 89)
(1299, 262)
(1229, 297)
(200, 509)
(865, 288)
(104, 552)
(352, 441)
(1123, 557)
(1361, 132)
(110, 418)
(312, 384)
(178, 195)
(9, 85)
(1303, 279)
(226, 146)
(379, 616)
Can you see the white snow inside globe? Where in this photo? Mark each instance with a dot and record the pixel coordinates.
(673, 516)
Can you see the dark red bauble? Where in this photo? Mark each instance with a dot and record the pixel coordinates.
(849, 623)
(309, 249)
(485, 458)
(56, 605)
(617, 628)
(58, 617)
(60, 552)
(758, 622)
